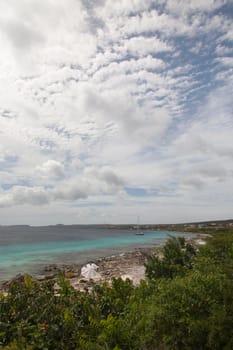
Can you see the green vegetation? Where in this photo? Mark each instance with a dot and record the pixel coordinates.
(186, 302)
(177, 259)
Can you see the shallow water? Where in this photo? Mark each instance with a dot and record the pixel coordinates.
(29, 249)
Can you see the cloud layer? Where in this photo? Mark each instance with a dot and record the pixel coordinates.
(113, 109)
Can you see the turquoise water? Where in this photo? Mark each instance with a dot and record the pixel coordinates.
(31, 257)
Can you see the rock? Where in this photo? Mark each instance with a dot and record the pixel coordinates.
(18, 278)
(83, 281)
(69, 274)
(50, 277)
(50, 268)
(41, 278)
(5, 285)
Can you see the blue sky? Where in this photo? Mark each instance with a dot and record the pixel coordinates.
(114, 109)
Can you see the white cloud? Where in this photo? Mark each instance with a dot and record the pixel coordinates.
(97, 97)
(142, 46)
(193, 182)
(21, 35)
(20, 195)
(180, 7)
(226, 61)
(222, 50)
(124, 7)
(43, 33)
(51, 168)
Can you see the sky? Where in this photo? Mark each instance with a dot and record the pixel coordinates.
(116, 109)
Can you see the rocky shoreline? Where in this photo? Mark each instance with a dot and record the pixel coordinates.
(125, 265)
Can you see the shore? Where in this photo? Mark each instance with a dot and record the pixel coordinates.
(125, 265)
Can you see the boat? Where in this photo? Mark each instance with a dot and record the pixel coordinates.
(137, 227)
(139, 233)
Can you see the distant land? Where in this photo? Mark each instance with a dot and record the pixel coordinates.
(187, 226)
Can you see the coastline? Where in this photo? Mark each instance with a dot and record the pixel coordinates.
(20, 253)
(128, 264)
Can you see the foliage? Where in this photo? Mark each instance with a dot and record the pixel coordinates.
(177, 258)
(185, 303)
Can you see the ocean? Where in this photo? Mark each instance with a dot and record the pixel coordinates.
(26, 249)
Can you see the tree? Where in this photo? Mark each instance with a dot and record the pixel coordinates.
(177, 259)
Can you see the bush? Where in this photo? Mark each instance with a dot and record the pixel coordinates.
(177, 259)
(186, 303)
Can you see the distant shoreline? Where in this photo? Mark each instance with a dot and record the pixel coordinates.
(217, 223)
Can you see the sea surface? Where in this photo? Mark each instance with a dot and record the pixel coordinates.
(26, 249)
